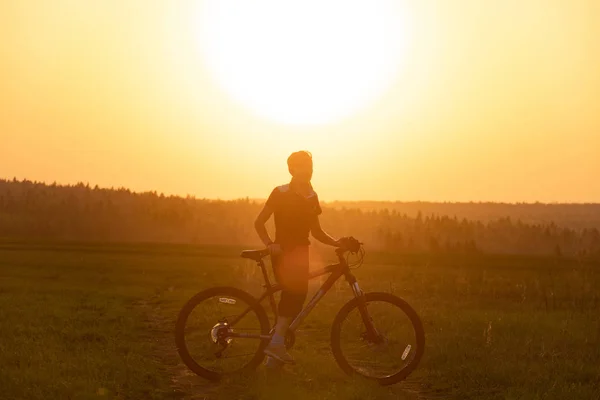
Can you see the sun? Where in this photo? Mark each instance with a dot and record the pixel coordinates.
(303, 61)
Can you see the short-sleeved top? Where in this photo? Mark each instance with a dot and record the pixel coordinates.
(293, 215)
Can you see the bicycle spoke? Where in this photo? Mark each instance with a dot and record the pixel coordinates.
(238, 330)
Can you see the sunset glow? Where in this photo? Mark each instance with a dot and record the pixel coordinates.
(303, 62)
(396, 100)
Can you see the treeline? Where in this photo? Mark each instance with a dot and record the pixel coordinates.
(35, 210)
(576, 215)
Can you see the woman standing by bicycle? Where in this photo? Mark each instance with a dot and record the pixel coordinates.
(296, 210)
(223, 330)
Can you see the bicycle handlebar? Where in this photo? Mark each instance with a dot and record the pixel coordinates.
(349, 243)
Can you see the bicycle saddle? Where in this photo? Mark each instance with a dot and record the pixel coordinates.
(255, 255)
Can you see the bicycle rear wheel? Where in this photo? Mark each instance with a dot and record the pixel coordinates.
(391, 352)
(204, 329)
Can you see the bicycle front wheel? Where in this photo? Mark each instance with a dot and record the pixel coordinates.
(387, 351)
(219, 332)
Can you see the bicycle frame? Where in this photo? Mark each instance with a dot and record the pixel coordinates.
(336, 271)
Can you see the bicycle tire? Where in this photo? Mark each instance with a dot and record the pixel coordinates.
(185, 312)
(396, 301)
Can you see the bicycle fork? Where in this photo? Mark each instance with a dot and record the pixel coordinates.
(372, 334)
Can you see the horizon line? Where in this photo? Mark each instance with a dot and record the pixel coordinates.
(156, 191)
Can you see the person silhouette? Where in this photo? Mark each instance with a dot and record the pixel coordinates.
(296, 211)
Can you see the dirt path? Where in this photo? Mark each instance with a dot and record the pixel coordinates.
(185, 384)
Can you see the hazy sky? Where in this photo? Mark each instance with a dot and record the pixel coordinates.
(495, 100)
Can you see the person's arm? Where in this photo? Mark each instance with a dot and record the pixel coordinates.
(319, 234)
(268, 209)
(259, 225)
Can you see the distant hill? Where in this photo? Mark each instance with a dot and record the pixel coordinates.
(577, 216)
(36, 210)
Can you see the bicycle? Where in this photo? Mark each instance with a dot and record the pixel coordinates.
(394, 344)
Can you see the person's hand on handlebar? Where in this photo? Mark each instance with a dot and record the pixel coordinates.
(349, 243)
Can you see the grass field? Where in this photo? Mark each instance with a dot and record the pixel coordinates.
(96, 321)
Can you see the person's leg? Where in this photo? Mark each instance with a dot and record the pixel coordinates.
(291, 271)
(282, 325)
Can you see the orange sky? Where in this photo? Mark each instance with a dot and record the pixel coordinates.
(497, 101)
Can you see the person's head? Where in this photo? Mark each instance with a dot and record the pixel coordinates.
(300, 165)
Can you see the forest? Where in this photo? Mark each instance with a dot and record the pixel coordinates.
(32, 210)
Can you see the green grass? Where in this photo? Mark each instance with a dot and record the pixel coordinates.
(86, 321)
